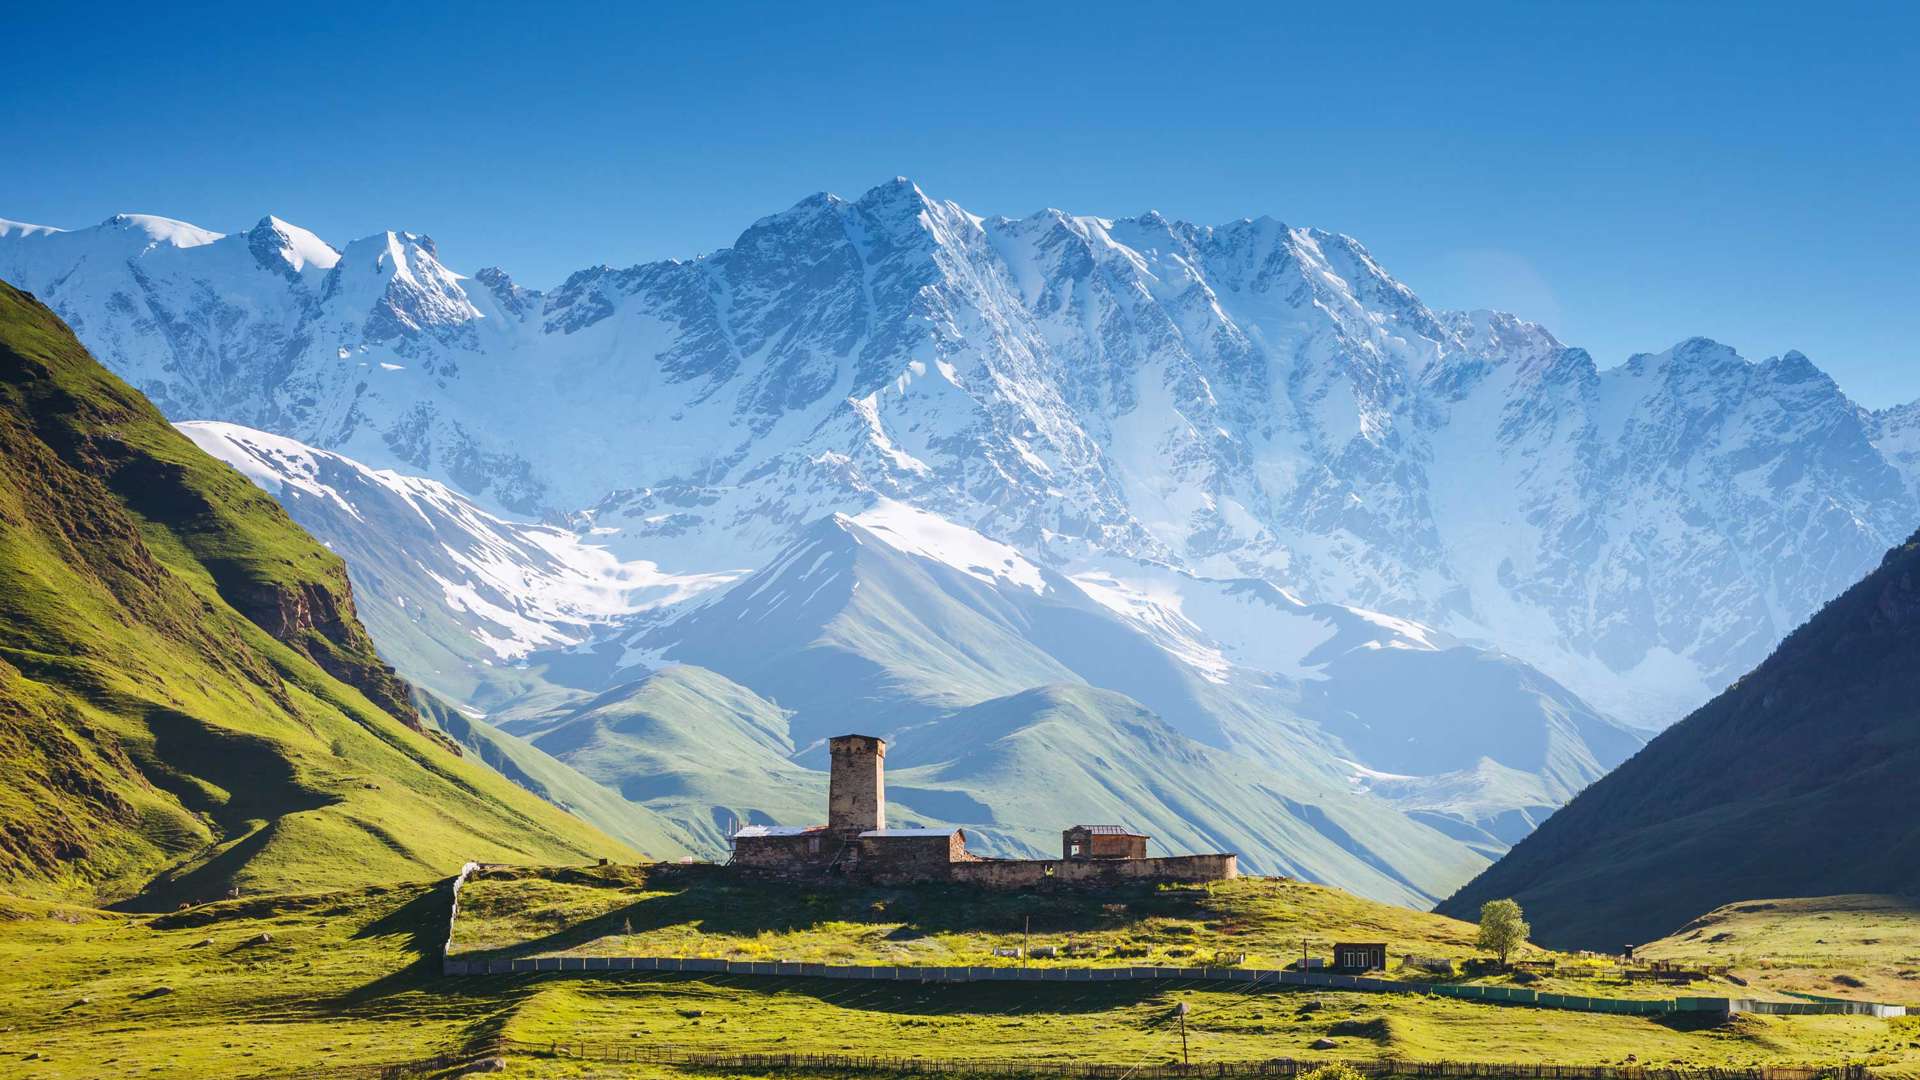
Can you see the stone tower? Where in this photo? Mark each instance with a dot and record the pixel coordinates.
(857, 789)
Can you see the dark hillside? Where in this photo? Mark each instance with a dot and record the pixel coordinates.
(1799, 780)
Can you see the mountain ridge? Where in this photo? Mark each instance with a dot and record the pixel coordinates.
(1247, 400)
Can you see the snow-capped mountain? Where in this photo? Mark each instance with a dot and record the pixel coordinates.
(1246, 401)
(449, 590)
(1273, 721)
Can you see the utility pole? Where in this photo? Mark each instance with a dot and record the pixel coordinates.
(1181, 1011)
(1026, 942)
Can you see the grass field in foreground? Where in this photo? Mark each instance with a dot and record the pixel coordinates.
(1135, 1022)
(1864, 947)
(95, 994)
(349, 978)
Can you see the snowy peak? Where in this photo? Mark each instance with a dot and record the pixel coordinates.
(276, 243)
(417, 548)
(928, 536)
(397, 279)
(18, 229)
(156, 231)
(513, 299)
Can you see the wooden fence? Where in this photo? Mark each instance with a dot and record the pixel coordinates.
(393, 1070)
(1382, 1068)
(614, 1053)
(1243, 977)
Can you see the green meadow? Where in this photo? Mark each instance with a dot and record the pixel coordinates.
(270, 985)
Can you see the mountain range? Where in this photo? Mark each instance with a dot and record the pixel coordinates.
(986, 483)
(710, 710)
(1246, 400)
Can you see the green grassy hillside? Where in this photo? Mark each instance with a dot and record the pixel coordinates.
(712, 911)
(1054, 755)
(1265, 923)
(347, 978)
(1796, 781)
(561, 784)
(1861, 947)
(691, 748)
(188, 703)
(702, 751)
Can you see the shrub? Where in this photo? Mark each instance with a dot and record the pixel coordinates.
(1338, 1070)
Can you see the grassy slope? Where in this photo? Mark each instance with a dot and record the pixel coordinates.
(691, 746)
(559, 783)
(1862, 947)
(702, 750)
(1056, 755)
(1796, 781)
(187, 702)
(709, 911)
(346, 980)
(1130, 1023)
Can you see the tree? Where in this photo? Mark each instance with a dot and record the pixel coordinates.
(1502, 929)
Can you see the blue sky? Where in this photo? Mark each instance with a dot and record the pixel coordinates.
(1629, 174)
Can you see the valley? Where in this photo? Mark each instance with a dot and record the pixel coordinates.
(992, 541)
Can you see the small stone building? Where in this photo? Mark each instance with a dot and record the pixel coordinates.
(1102, 842)
(856, 842)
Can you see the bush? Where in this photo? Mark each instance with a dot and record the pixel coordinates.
(1338, 1070)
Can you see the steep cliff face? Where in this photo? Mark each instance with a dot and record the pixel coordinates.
(188, 704)
(1797, 781)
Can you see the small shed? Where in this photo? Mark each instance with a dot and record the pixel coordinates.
(1361, 956)
(1102, 842)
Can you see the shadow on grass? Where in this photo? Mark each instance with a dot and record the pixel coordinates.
(896, 998)
(422, 921)
(719, 901)
(1690, 1022)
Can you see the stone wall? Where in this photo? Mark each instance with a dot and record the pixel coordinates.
(800, 853)
(1026, 873)
(901, 860)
